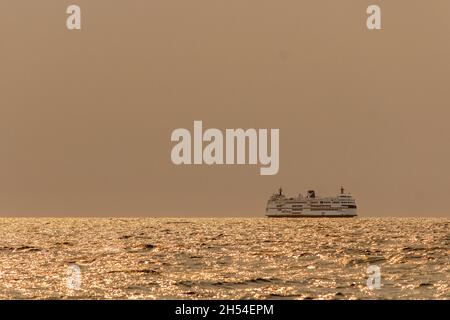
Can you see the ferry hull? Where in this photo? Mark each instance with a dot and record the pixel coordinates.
(345, 213)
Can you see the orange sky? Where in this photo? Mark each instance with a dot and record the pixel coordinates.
(86, 116)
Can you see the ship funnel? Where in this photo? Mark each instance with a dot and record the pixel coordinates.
(311, 194)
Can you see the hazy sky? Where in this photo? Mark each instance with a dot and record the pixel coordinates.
(86, 116)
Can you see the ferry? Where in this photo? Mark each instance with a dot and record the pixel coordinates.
(341, 206)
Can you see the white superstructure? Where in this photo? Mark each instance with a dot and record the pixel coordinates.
(343, 205)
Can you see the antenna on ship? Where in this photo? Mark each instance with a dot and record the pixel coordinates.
(342, 190)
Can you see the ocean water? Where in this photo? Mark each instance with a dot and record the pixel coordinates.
(217, 258)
